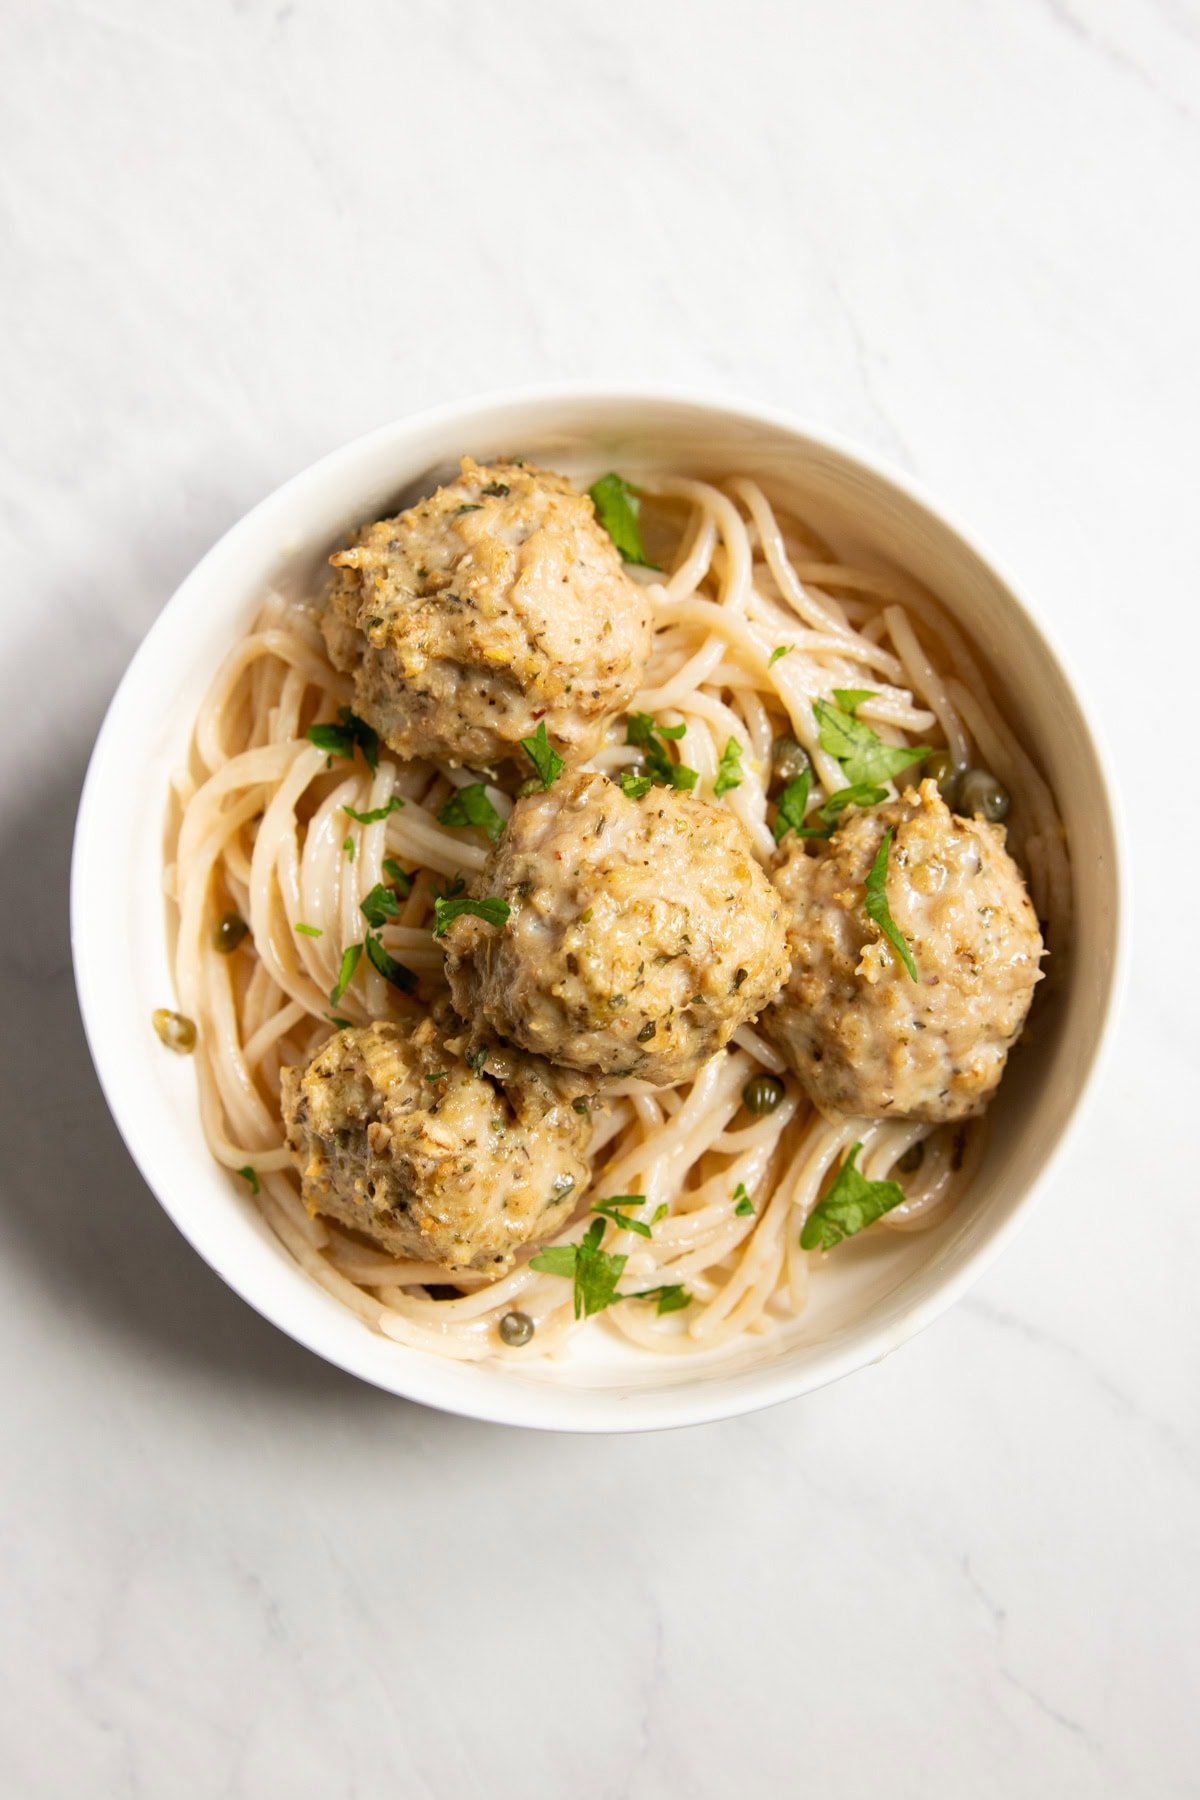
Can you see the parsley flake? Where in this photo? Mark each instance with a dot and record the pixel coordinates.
(313, 931)
(470, 806)
(851, 1204)
(346, 970)
(862, 794)
(671, 1297)
(397, 974)
(850, 699)
(251, 1175)
(492, 910)
(779, 651)
(343, 739)
(635, 787)
(745, 1205)
(876, 907)
(379, 906)
(348, 847)
(729, 769)
(595, 1272)
(544, 757)
(402, 883)
(648, 736)
(863, 755)
(617, 508)
(610, 1209)
(377, 812)
(792, 806)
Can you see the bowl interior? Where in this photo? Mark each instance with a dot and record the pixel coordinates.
(877, 1291)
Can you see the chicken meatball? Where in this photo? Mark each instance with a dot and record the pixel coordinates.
(641, 933)
(496, 604)
(397, 1136)
(864, 1037)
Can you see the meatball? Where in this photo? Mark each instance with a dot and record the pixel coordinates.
(641, 934)
(496, 604)
(863, 1037)
(396, 1135)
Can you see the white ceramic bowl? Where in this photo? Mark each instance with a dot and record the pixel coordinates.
(878, 1299)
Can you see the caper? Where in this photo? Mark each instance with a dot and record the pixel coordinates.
(942, 768)
(913, 1157)
(231, 928)
(788, 760)
(176, 1032)
(980, 792)
(762, 1093)
(516, 1328)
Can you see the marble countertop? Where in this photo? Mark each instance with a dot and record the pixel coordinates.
(237, 234)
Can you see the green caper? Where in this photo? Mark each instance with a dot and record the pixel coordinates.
(913, 1157)
(942, 768)
(176, 1031)
(762, 1094)
(788, 760)
(516, 1328)
(980, 792)
(231, 928)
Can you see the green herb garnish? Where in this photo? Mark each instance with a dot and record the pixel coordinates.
(850, 699)
(852, 1203)
(397, 973)
(617, 508)
(876, 907)
(496, 489)
(863, 794)
(346, 970)
(610, 1209)
(635, 787)
(348, 847)
(377, 812)
(309, 930)
(251, 1175)
(492, 910)
(643, 731)
(729, 769)
(862, 754)
(777, 652)
(595, 1272)
(341, 1024)
(671, 1297)
(470, 806)
(745, 1205)
(341, 740)
(544, 757)
(379, 906)
(792, 806)
(402, 883)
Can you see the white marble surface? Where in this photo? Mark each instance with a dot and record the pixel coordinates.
(236, 234)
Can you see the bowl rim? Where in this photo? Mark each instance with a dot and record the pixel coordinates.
(544, 1404)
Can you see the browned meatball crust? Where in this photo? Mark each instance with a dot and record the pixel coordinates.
(494, 605)
(641, 934)
(864, 1038)
(396, 1136)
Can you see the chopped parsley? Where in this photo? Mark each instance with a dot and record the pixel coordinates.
(475, 1060)
(651, 739)
(861, 794)
(251, 1175)
(346, 970)
(876, 907)
(455, 886)
(793, 804)
(671, 1297)
(495, 489)
(492, 910)
(729, 769)
(377, 812)
(850, 699)
(542, 754)
(594, 1271)
(438, 1075)
(744, 1208)
(862, 754)
(402, 883)
(379, 906)
(348, 847)
(343, 739)
(610, 1209)
(341, 1024)
(617, 508)
(851, 1203)
(308, 930)
(779, 651)
(635, 787)
(471, 806)
(393, 972)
